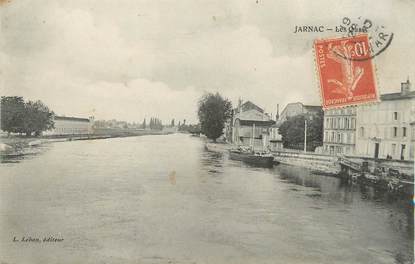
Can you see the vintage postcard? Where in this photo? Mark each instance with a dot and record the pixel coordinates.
(207, 131)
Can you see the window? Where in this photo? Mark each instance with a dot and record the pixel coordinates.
(404, 131)
(395, 115)
(393, 149)
(403, 147)
(395, 131)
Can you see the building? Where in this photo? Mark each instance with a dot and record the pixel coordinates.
(293, 109)
(340, 131)
(71, 126)
(250, 125)
(386, 129)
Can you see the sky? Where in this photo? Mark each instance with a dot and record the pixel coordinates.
(131, 60)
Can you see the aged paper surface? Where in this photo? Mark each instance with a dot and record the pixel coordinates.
(207, 131)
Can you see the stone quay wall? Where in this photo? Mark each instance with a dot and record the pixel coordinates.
(317, 162)
(329, 164)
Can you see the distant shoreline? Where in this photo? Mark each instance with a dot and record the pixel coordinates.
(13, 140)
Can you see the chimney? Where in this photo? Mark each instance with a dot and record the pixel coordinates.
(277, 116)
(405, 87)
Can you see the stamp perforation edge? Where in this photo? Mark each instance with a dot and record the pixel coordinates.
(374, 101)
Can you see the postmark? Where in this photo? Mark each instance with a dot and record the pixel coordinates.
(345, 71)
(379, 36)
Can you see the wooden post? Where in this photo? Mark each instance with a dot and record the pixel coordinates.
(305, 135)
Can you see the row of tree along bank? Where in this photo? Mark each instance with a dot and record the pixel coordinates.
(29, 118)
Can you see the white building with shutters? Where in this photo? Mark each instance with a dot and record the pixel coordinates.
(387, 129)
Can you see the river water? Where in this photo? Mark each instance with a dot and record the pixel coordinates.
(165, 199)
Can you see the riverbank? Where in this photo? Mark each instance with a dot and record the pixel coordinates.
(320, 163)
(323, 164)
(328, 164)
(18, 141)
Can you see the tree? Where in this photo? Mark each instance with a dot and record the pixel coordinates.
(151, 123)
(12, 113)
(172, 122)
(20, 117)
(292, 131)
(213, 112)
(194, 129)
(144, 124)
(37, 118)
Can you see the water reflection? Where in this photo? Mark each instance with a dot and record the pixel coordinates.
(357, 207)
(212, 161)
(22, 152)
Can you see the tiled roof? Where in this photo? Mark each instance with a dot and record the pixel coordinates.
(313, 107)
(257, 122)
(397, 96)
(252, 115)
(248, 105)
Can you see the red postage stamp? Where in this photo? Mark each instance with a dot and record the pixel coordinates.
(346, 71)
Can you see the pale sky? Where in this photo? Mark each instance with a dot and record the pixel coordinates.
(134, 59)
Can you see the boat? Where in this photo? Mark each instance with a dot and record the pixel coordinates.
(249, 155)
(262, 159)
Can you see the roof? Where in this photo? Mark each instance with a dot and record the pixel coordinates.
(70, 118)
(248, 105)
(252, 114)
(308, 108)
(257, 122)
(397, 96)
(313, 108)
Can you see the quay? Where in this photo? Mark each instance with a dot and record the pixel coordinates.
(393, 175)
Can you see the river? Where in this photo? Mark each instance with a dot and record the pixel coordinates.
(165, 199)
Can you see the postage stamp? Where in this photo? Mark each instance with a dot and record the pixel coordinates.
(346, 71)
